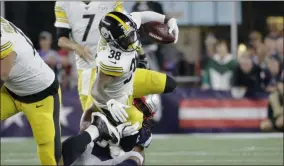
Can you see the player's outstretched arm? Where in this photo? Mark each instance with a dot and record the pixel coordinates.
(148, 16)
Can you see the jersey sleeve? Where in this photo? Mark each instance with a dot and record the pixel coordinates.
(61, 15)
(108, 67)
(147, 16)
(7, 46)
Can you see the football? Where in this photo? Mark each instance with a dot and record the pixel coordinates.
(158, 32)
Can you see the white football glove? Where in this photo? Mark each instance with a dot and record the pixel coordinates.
(126, 129)
(117, 110)
(173, 28)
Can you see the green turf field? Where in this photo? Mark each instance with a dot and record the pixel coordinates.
(220, 149)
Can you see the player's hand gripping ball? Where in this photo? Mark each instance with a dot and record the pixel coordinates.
(159, 32)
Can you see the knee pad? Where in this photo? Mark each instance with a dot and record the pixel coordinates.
(170, 84)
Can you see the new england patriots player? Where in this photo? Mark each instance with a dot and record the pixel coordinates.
(77, 150)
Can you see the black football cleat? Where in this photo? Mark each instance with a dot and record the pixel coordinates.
(106, 130)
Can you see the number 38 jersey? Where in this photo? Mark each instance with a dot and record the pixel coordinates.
(121, 66)
(83, 20)
(29, 74)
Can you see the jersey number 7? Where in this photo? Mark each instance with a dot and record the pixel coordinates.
(90, 22)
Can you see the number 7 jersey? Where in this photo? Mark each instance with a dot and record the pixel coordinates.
(83, 20)
(121, 66)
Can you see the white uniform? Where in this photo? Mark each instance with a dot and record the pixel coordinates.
(122, 65)
(29, 74)
(114, 62)
(83, 20)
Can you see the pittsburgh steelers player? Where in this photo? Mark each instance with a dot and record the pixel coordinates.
(30, 86)
(77, 30)
(117, 80)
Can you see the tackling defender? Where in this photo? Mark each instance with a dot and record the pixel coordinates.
(30, 86)
(77, 151)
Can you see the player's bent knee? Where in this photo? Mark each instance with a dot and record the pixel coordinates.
(170, 85)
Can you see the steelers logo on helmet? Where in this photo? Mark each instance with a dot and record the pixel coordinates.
(120, 31)
(104, 32)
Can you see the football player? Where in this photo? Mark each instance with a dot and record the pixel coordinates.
(31, 87)
(79, 151)
(77, 30)
(117, 80)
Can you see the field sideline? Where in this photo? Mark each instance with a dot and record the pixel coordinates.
(194, 149)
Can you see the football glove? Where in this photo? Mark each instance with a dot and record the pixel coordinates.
(173, 28)
(117, 110)
(126, 129)
(143, 63)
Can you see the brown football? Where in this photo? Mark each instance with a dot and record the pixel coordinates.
(158, 32)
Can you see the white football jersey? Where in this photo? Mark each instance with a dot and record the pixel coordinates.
(29, 74)
(83, 19)
(120, 65)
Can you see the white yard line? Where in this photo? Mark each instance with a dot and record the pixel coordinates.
(237, 162)
(200, 153)
(170, 136)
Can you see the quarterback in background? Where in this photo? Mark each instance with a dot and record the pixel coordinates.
(31, 87)
(77, 30)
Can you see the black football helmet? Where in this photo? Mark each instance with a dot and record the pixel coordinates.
(120, 31)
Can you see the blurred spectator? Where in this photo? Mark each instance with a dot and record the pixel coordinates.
(210, 49)
(275, 109)
(275, 31)
(219, 69)
(152, 50)
(210, 44)
(272, 73)
(46, 52)
(257, 47)
(247, 74)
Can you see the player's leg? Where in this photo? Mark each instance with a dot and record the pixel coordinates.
(152, 82)
(268, 125)
(43, 117)
(279, 123)
(8, 107)
(86, 79)
(75, 146)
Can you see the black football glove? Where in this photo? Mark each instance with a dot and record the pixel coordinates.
(142, 62)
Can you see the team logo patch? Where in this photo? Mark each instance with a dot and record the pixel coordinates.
(104, 32)
(103, 7)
